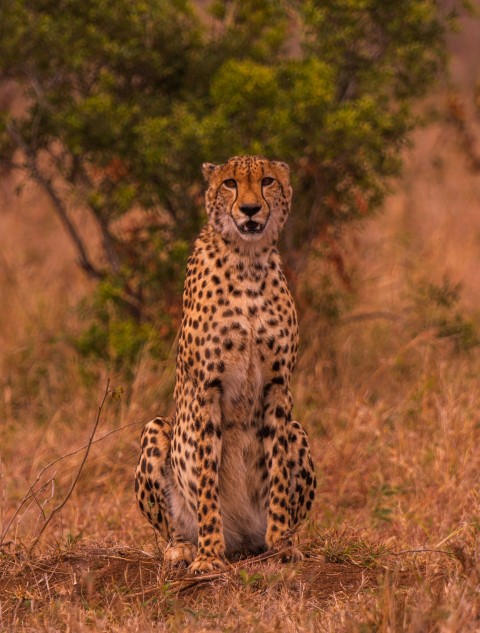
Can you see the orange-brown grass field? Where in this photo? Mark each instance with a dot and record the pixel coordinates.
(390, 395)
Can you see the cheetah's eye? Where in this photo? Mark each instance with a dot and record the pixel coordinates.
(230, 183)
(267, 181)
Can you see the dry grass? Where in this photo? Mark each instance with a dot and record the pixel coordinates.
(392, 410)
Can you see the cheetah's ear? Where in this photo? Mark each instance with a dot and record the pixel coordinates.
(283, 166)
(207, 170)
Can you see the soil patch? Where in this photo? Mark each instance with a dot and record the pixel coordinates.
(96, 575)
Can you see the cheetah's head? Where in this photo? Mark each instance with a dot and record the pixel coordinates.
(248, 199)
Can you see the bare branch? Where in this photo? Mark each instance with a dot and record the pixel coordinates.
(59, 507)
(108, 240)
(109, 246)
(368, 316)
(420, 551)
(34, 494)
(58, 205)
(31, 492)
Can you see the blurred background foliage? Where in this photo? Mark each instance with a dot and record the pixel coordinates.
(122, 100)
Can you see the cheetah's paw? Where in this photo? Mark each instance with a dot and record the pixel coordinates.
(292, 555)
(204, 564)
(180, 554)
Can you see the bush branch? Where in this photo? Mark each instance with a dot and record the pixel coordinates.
(61, 211)
(59, 507)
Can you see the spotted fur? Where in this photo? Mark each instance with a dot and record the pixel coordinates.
(231, 472)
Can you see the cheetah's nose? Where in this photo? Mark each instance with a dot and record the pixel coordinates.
(250, 209)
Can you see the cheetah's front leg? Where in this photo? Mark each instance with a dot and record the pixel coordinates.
(206, 414)
(278, 405)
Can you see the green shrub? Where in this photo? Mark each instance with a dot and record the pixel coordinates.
(125, 99)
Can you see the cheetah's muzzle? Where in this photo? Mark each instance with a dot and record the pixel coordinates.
(251, 227)
(231, 471)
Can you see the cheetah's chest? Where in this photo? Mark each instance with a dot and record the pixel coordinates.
(256, 340)
(242, 379)
(239, 332)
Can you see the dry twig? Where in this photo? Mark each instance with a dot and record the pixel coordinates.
(59, 507)
(419, 551)
(31, 492)
(184, 583)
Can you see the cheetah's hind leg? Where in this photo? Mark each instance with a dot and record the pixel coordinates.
(302, 480)
(153, 478)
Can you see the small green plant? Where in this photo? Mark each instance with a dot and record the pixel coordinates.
(249, 580)
(71, 539)
(462, 331)
(383, 494)
(344, 547)
(438, 306)
(115, 336)
(116, 393)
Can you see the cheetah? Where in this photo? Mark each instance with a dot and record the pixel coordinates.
(231, 472)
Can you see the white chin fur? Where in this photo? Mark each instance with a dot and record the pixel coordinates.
(226, 226)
